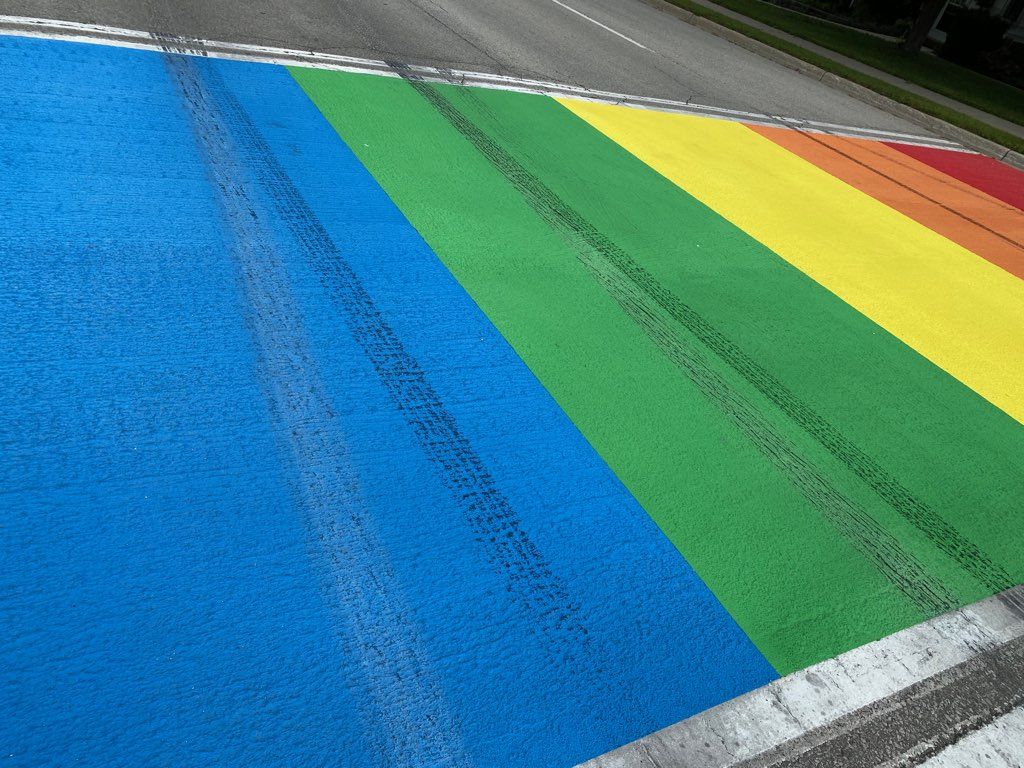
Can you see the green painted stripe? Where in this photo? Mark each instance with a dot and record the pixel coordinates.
(531, 218)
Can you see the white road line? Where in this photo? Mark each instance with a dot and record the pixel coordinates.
(753, 724)
(602, 26)
(130, 38)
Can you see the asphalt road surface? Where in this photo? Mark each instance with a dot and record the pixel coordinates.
(627, 46)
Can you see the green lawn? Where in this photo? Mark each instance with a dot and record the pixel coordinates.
(923, 69)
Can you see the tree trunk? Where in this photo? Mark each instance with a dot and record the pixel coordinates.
(926, 18)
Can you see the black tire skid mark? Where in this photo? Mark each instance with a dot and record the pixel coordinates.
(936, 529)
(943, 535)
(927, 521)
(409, 723)
(873, 541)
(907, 187)
(509, 550)
(647, 302)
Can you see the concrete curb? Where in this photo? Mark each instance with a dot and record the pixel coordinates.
(934, 124)
(917, 691)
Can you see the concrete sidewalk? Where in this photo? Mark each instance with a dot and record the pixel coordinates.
(978, 114)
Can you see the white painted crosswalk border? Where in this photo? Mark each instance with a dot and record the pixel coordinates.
(25, 26)
(947, 692)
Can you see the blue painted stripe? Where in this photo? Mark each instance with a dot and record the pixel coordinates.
(158, 603)
(371, 536)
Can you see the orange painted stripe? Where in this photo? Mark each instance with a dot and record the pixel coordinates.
(980, 223)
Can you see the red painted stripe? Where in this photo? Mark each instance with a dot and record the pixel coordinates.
(997, 179)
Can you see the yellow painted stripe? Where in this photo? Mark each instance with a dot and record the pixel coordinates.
(961, 312)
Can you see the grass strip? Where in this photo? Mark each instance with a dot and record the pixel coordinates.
(1006, 109)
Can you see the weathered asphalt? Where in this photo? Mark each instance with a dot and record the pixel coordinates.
(527, 38)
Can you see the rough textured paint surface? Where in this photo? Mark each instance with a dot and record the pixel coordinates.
(275, 489)
(958, 310)
(980, 223)
(798, 456)
(990, 176)
(368, 421)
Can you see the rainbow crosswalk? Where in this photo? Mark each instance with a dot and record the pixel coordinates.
(364, 419)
